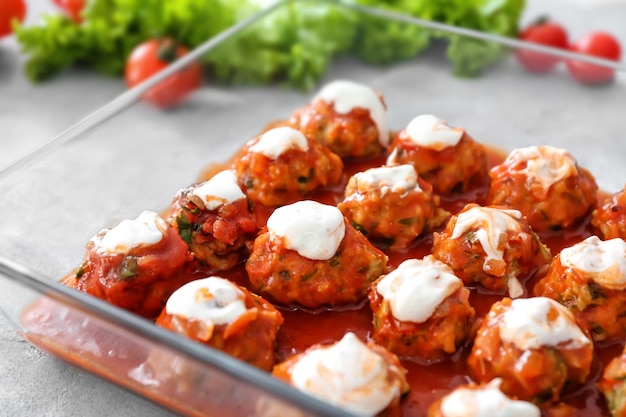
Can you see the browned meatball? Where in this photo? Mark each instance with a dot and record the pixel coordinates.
(492, 246)
(347, 117)
(225, 316)
(612, 384)
(282, 165)
(610, 218)
(391, 206)
(421, 309)
(473, 400)
(312, 256)
(589, 278)
(446, 157)
(546, 185)
(364, 379)
(215, 220)
(135, 265)
(535, 346)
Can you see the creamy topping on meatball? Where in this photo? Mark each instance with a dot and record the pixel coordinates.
(212, 299)
(431, 132)
(312, 229)
(486, 401)
(416, 288)
(347, 374)
(543, 165)
(347, 95)
(147, 229)
(221, 189)
(396, 179)
(490, 226)
(603, 261)
(275, 142)
(530, 323)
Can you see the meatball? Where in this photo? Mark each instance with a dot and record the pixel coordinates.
(347, 117)
(421, 309)
(492, 246)
(391, 206)
(364, 379)
(282, 165)
(135, 265)
(215, 220)
(589, 278)
(612, 384)
(225, 316)
(535, 346)
(481, 400)
(312, 256)
(610, 218)
(546, 185)
(446, 157)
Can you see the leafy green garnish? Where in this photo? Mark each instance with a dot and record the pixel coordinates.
(295, 43)
(185, 228)
(128, 268)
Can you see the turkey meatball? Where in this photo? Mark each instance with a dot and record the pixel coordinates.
(215, 220)
(282, 165)
(364, 379)
(348, 117)
(421, 309)
(492, 246)
(391, 205)
(546, 185)
(589, 278)
(311, 255)
(535, 346)
(446, 157)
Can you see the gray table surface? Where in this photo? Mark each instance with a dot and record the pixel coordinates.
(33, 383)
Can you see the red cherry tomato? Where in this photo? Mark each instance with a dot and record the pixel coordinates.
(600, 44)
(546, 33)
(9, 10)
(73, 8)
(152, 56)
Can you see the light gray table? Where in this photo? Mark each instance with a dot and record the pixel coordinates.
(33, 383)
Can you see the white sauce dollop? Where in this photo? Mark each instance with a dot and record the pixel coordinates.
(429, 131)
(221, 189)
(347, 95)
(312, 229)
(211, 299)
(147, 229)
(346, 374)
(527, 325)
(275, 142)
(486, 401)
(416, 288)
(603, 261)
(397, 179)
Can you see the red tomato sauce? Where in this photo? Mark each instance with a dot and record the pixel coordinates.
(301, 328)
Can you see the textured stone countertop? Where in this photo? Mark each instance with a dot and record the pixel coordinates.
(33, 383)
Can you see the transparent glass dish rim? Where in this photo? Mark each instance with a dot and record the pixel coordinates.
(118, 317)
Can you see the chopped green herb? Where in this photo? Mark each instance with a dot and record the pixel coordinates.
(185, 228)
(406, 222)
(128, 268)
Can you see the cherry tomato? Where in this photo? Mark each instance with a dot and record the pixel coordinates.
(546, 33)
(600, 44)
(9, 10)
(152, 56)
(73, 8)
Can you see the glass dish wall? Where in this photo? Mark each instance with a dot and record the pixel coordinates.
(130, 157)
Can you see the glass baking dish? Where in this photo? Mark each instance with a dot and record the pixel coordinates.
(128, 157)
